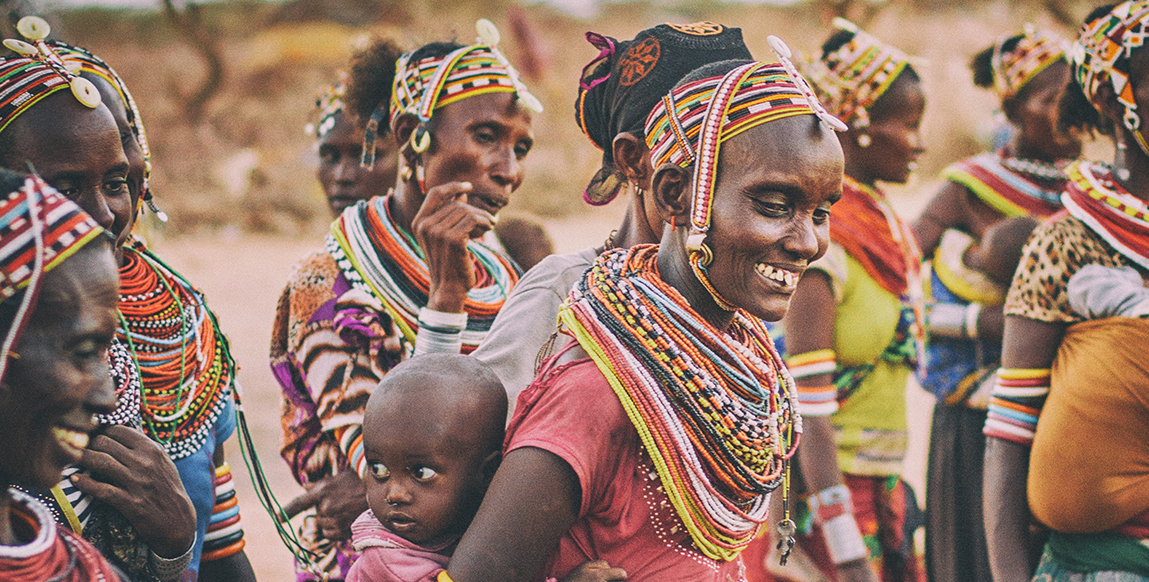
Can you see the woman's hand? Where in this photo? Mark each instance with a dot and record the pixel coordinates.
(443, 227)
(133, 474)
(343, 499)
(596, 571)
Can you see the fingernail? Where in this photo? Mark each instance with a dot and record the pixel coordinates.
(74, 478)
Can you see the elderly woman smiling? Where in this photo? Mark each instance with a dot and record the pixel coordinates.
(57, 319)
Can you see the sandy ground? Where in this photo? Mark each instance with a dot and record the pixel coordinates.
(243, 275)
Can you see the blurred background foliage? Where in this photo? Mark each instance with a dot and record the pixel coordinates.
(225, 88)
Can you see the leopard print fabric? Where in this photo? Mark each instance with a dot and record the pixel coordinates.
(1055, 251)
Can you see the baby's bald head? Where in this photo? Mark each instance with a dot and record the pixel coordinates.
(444, 396)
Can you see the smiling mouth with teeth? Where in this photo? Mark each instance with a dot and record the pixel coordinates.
(73, 440)
(782, 276)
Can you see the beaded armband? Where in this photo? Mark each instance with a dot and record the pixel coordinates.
(225, 530)
(351, 443)
(1016, 404)
(815, 400)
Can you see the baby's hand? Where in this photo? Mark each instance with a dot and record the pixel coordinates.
(596, 571)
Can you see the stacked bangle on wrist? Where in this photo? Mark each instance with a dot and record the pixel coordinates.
(833, 511)
(170, 568)
(440, 332)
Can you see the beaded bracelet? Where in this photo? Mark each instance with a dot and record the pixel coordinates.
(440, 332)
(844, 539)
(225, 529)
(830, 502)
(819, 400)
(948, 320)
(971, 314)
(1016, 403)
(351, 443)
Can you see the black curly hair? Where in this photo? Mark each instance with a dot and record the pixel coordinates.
(982, 63)
(372, 74)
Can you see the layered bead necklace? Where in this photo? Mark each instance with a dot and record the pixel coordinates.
(1108, 209)
(378, 257)
(52, 554)
(714, 409)
(184, 360)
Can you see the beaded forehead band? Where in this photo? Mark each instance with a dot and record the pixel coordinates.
(1102, 53)
(37, 73)
(327, 105)
(690, 124)
(421, 87)
(850, 79)
(1033, 53)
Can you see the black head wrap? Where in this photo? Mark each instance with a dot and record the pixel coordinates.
(623, 83)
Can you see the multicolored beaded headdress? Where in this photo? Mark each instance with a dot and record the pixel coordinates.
(1033, 53)
(39, 228)
(850, 79)
(328, 104)
(1102, 53)
(37, 73)
(425, 85)
(94, 65)
(692, 121)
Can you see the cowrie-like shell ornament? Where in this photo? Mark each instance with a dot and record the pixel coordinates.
(33, 28)
(85, 92)
(488, 33)
(779, 46)
(20, 47)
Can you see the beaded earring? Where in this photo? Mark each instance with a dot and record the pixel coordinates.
(864, 140)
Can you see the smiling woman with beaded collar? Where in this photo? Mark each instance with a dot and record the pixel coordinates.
(664, 483)
(147, 502)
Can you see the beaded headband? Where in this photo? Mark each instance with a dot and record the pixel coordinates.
(39, 228)
(1033, 53)
(88, 62)
(327, 105)
(850, 79)
(425, 85)
(37, 73)
(691, 123)
(1102, 52)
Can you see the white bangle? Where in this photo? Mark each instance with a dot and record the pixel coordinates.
(170, 568)
(946, 319)
(844, 539)
(971, 314)
(440, 332)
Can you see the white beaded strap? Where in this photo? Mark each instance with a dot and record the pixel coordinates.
(440, 332)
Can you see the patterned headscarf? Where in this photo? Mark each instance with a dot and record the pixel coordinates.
(693, 120)
(1033, 53)
(850, 79)
(328, 104)
(420, 87)
(623, 83)
(1102, 53)
(39, 228)
(37, 73)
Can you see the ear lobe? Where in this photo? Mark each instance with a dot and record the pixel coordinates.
(671, 190)
(404, 126)
(1009, 108)
(629, 154)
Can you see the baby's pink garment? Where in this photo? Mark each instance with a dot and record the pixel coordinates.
(389, 558)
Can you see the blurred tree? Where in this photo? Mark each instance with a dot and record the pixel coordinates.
(347, 12)
(189, 23)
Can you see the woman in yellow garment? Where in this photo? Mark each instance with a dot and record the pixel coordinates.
(854, 326)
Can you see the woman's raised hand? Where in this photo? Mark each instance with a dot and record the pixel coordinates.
(133, 474)
(443, 227)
